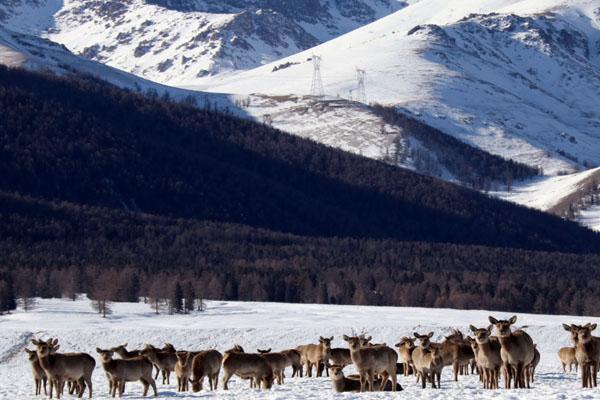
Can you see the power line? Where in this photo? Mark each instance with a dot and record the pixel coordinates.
(361, 95)
(316, 86)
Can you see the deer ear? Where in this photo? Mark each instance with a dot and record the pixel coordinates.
(28, 351)
(492, 320)
(416, 334)
(345, 337)
(98, 350)
(397, 344)
(490, 328)
(125, 345)
(593, 326)
(55, 349)
(472, 328)
(430, 334)
(369, 338)
(513, 319)
(567, 327)
(331, 338)
(35, 342)
(54, 341)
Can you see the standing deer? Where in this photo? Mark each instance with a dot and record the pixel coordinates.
(247, 366)
(277, 362)
(371, 361)
(293, 359)
(517, 352)
(39, 376)
(567, 357)
(315, 354)
(164, 360)
(487, 356)
(206, 364)
(62, 367)
(183, 369)
(587, 353)
(455, 351)
(406, 347)
(428, 361)
(121, 371)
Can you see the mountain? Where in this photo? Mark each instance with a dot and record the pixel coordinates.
(90, 143)
(178, 42)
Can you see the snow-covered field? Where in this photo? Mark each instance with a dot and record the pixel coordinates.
(280, 326)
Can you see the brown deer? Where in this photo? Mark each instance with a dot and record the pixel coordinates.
(371, 361)
(456, 351)
(587, 353)
(165, 360)
(39, 376)
(405, 348)
(532, 367)
(567, 357)
(247, 366)
(340, 357)
(277, 362)
(206, 364)
(183, 369)
(125, 354)
(315, 354)
(130, 370)
(516, 350)
(293, 359)
(428, 361)
(61, 367)
(487, 355)
(351, 383)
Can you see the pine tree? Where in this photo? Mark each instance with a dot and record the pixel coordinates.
(176, 300)
(190, 298)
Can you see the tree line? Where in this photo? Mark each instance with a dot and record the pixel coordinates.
(59, 250)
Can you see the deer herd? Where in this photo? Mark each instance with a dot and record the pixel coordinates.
(510, 353)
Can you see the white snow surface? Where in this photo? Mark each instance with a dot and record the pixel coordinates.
(280, 326)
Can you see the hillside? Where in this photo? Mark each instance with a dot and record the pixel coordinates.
(178, 42)
(91, 143)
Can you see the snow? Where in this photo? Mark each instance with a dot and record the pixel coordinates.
(276, 325)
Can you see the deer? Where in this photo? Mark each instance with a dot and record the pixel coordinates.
(39, 376)
(315, 354)
(405, 348)
(516, 350)
(164, 360)
(427, 360)
(62, 367)
(206, 364)
(130, 370)
(293, 359)
(183, 369)
(587, 353)
(455, 351)
(487, 355)
(370, 361)
(247, 366)
(277, 362)
(567, 357)
(351, 383)
(532, 367)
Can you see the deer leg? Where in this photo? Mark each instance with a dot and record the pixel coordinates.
(455, 368)
(226, 377)
(153, 384)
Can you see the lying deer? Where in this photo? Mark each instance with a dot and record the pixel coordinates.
(164, 360)
(516, 350)
(206, 364)
(61, 367)
(277, 362)
(428, 361)
(487, 355)
(247, 366)
(371, 361)
(130, 370)
(351, 383)
(315, 354)
(39, 376)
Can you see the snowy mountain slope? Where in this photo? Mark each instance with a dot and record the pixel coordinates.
(280, 326)
(38, 54)
(178, 42)
(523, 83)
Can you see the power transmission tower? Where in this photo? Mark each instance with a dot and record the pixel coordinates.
(316, 87)
(361, 95)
